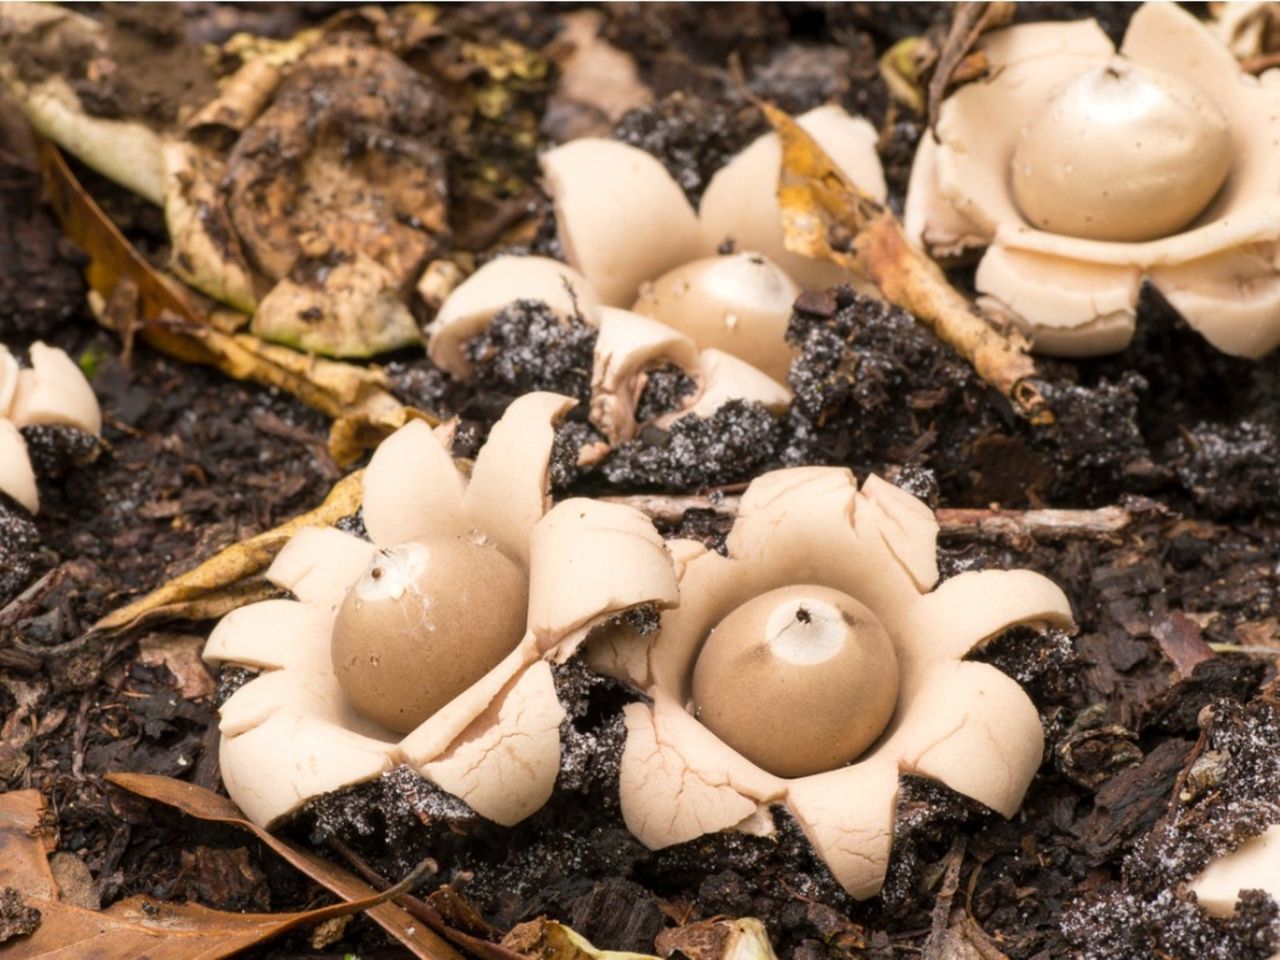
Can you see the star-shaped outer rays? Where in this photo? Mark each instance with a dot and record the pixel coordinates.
(290, 735)
(1076, 296)
(961, 722)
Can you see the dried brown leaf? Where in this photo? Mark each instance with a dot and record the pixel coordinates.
(180, 655)
(826, 216)
(227, 579)
(544, 939)
(143, 927)
(1180, 640)
(24, 844)
(169, 319)
(206, 805)
(138, 927)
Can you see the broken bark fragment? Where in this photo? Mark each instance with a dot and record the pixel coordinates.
(825, 215)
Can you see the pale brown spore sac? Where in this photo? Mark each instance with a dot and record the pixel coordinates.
(1122, 153)
(426, 621)
(799, 680)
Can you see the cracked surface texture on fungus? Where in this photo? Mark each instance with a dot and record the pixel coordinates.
(1174, 104)
(52, 391)
(640, 257)
(961, 722)
(292, 733)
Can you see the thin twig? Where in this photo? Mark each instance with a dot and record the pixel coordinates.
(423, 910)
(1175, 798)
(16, 609)
(939, 921)
(955, 523)
(968, 22)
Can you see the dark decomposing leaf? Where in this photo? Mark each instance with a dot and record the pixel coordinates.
(167, 317)
(337, 198)
(89, 110)
(206, 805)
(132, 928)
(825, 216)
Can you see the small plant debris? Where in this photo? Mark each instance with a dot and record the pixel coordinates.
(1161, 713)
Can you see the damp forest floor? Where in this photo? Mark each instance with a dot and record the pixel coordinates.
(1161, 713)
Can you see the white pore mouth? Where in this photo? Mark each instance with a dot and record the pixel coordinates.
(392, 572)
(806, 631)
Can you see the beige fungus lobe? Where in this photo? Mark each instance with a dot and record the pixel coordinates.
(961, 722)
(441, 627)
(621, 218)
(630, 345)
(17, 477)
(52, 391)
(1254, 865)
(1084, 171)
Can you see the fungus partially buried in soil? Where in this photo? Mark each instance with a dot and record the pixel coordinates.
(1254, 865)
(1084, 172)
(961, 722)
(635, 246)
(474, 302)
(740, 304)
(52, 391)
(296, 731)
(627, 344)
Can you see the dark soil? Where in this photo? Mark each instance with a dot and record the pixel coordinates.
(1154, 762)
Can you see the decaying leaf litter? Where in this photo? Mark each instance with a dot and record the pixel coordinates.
(1187, 449)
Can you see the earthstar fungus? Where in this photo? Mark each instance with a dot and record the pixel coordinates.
(820, 578)
(1084, 171)
(414, 631)
(638, 252)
